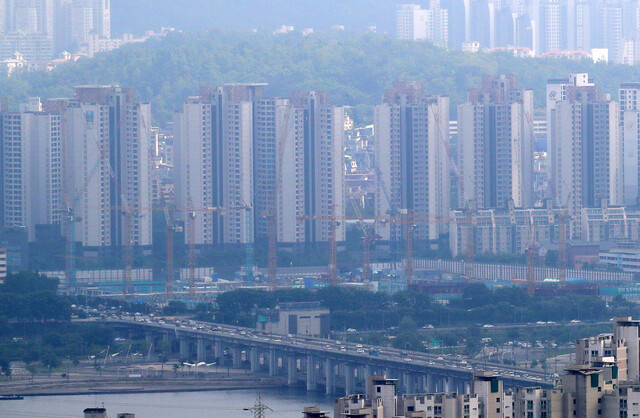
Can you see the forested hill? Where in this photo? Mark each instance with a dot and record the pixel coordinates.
(355, 69)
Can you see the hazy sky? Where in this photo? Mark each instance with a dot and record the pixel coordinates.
(140, 15)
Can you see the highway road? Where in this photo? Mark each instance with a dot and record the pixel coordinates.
(357, 353)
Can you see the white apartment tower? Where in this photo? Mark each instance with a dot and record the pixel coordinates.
(309, 132)
(584, 146)
(412, 160)
(415, 23)
(238, 151)
(495, 145)
(552, 23)
(213, 154)
(108, 163)
(32, 166)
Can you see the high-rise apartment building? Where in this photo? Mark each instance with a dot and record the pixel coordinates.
(431, 24)
(77, 21)
(584, 146)
(412, 159)
(309, 133)
(238, 150)
(552, 26)
(495, 145)
(213, 141)
(629, 96)
(501, 24)
(32, 168)
(108, 165)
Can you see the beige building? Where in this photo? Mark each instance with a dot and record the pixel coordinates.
(435, 405)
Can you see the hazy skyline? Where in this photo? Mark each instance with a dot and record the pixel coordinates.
(140, 15)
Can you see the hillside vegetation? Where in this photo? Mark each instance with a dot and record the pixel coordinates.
(355, 69)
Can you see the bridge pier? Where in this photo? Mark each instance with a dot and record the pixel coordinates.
(166, 338)
(311, 373)
(292, 371)
(348, 379)
(447, 384)
(428, 384)
(184, 348)
(460, 386)
(273, 362)
(148, 336)
(367, 372)
(235, 356)
(329, 377)
(467, 388)
(201, 350)
(254, 359)
(217, 349)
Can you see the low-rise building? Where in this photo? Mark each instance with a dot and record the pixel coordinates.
(503, 231)
(434, 405)
(626, 259)
(610, 223)
(297, 318)
(538, 402)
(357, 406)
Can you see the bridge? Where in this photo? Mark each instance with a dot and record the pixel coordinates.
(338, 367)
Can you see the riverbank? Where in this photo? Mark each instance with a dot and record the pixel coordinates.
(122, 386)
(147, 379)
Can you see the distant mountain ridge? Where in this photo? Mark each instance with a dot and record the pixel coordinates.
(355, 69)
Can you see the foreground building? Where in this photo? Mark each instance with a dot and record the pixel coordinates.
(604, 382)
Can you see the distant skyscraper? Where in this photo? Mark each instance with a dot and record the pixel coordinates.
(108, 165)
(553, 25)
(77, 21)
(630, 131)
(584, 145)
(415, 23)
(495, 144)
(501, 24)
(31, 158)
(478, 22)
(412, 160)
(608, 30)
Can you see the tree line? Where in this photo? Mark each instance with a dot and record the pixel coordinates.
(356, 69)
(478, 305)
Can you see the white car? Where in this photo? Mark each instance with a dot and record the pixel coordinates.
(541, 323)
(575, 321)
(487, 326)
(351, 330)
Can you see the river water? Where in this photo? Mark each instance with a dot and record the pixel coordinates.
(287, 403)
